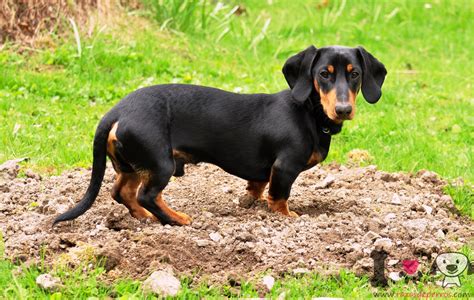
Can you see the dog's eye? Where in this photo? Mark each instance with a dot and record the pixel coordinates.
(444, 261)
(457, 261)
(354, 74)
(324, 74)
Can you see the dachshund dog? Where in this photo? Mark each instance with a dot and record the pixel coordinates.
(263, 138)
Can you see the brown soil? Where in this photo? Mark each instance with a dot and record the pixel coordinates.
(338, 226)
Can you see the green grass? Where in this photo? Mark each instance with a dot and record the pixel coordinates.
(51, 100)
(18, 282)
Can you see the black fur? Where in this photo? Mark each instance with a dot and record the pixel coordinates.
(252, 136)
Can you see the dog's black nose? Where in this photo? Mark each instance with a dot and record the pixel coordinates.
(343, 110)
(452, 268)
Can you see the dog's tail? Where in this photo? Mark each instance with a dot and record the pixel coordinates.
(98, 170)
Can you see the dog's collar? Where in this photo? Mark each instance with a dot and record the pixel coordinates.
(324, 124)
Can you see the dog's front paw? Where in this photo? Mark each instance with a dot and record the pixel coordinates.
(246, 201)
(293, 214)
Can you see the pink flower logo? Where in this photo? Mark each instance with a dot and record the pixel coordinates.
(410, 266)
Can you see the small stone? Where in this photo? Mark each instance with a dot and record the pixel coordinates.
(48, 282)
(396, 199)
(203, 243)
(416, 226)
(428, 209)
(370, 236)
(162, 283)
(227, 190)
(326, 182)
(268, 281)
(389, 217)
(383, 244)
(215, 236)
(440, 234)
(394, 276)
(392, 262)
(300, 271)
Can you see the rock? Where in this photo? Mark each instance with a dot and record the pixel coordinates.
(48, 282)
(203, 243)
(395, 276)
(215, 236)
(389, 217)
(326, 182)
(396, 199)
(227, 190)
(268, 281)
(370, 236)
(162, 283)
(440, 234)
(392, 262)
(415, 227)
(300, 271)
(428, 209)
(383, 244)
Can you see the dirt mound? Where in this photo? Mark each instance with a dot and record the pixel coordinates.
(344, 212)
(23, 21)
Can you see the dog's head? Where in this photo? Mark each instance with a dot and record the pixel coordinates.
(452, 264)
(336, 74)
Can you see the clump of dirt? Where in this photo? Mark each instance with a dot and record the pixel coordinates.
(344, 214)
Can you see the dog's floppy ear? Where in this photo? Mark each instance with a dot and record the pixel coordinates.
(373, 76)
(297, 71)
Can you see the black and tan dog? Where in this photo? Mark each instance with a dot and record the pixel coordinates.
(263, 138)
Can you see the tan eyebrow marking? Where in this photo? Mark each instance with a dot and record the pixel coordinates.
(349, 67)
(331, 68)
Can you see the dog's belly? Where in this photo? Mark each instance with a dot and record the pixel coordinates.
(244, 164)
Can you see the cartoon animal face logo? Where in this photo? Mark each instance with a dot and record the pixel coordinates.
(451, 265)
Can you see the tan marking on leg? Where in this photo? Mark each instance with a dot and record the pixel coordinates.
(256, 188)
(280, 206)
(314, 159)
(126, 186)
(178, 217)
(349, 68)
(331, 69)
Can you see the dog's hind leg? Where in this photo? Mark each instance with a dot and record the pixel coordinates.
(150, 195)
(125, 190)
(127, 181)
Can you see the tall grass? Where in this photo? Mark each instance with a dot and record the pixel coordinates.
(189, 16)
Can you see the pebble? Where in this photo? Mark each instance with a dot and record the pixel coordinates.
(396, 199)
(215, 236)
(268, 281)
(203, 243)
(428, 209)
(326, 182)
(395, 276)
(300, 271)
(162, 283)
(48, 282)
(383, 244)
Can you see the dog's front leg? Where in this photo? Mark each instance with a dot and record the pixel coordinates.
(281, 179)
